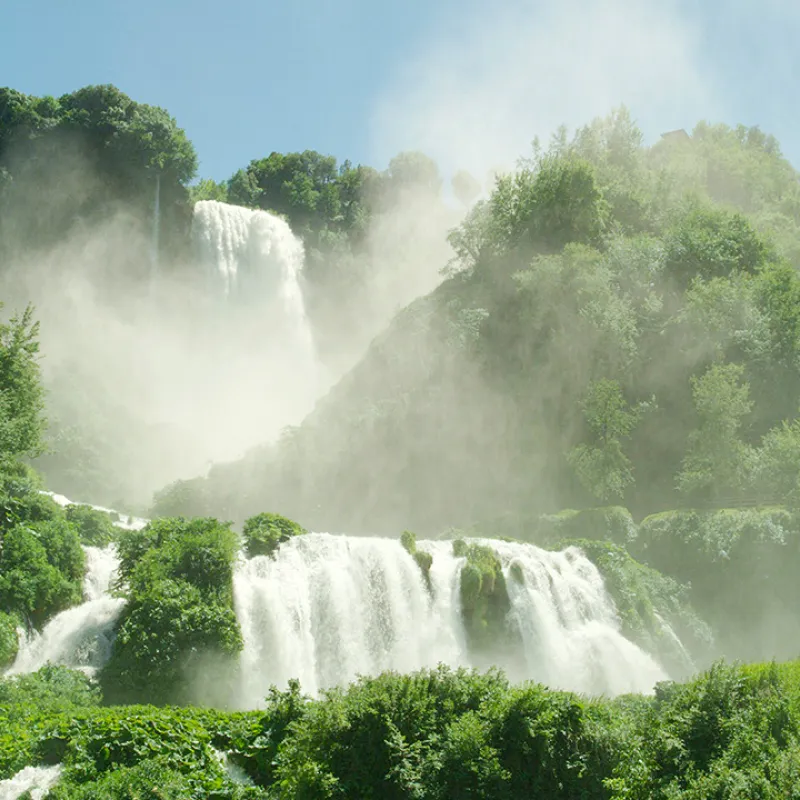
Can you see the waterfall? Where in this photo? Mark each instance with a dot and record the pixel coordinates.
(250, 254)
(36, 780)
(79, 637)
(328, 608)
(253, 263)
(568, 624)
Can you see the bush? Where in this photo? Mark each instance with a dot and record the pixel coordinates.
(30, 585)
(166, 636)
(95, 528)
(264, 532)
(9, 641)
(179, 621)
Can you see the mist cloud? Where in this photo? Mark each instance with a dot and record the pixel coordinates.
(476, 94)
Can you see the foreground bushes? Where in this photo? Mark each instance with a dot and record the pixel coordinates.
(436, 734)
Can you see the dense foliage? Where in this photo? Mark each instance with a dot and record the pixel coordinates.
(178, 625)
(97, 151)
(730, 733)
(264, 532)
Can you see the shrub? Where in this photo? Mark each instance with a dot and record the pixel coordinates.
(264, 532)
(9, 641)
(95, 528)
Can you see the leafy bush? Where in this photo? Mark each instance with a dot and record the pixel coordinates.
(264, 532)
(30, 585)
(179, 621)
(9, 641)
(166, 636)
(95, 528)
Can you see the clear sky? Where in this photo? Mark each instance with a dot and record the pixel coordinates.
(469, 81)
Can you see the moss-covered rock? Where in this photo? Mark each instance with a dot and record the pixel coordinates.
(484, 596)
(742, 567)
(423, 558)
(654, 609)
(263, 533)
(9, 640)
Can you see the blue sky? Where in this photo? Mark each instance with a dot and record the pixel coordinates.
(469, 82)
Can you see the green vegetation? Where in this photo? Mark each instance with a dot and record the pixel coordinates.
(618, 325)
(263, 533)
(741, 565)
(423, 558)
(179, 621)
(484, 597)
(95, 528)
(730, 733)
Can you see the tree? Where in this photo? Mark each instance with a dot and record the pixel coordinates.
(557, 203)
(717, 461)
(465, 187)
(22, 421)
(711, 243)
(601, 465)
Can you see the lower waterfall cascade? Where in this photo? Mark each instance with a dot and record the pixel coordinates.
(33, 782)
(328, 608)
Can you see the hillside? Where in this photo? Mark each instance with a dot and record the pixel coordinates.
(619, 324)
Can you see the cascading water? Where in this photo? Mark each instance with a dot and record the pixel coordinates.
(33, 782)
(79, 637)
(325, 609)
(328, 608)
(253, 264)
(253, 256)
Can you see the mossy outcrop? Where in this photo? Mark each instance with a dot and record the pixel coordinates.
(484, 595)
(654, 609)
(423, 558)
(264, 533)
(741, 566)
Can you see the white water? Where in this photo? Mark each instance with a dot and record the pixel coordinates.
(266, 371)
(36, 780)
(79, 637)
(122, 520)
(329, 608)
(254, 256)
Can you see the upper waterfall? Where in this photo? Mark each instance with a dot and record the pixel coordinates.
(254, 261)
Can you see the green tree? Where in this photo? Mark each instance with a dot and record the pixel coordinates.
(717, 460)
(556, 203)
(21, 395)
(601, 464)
